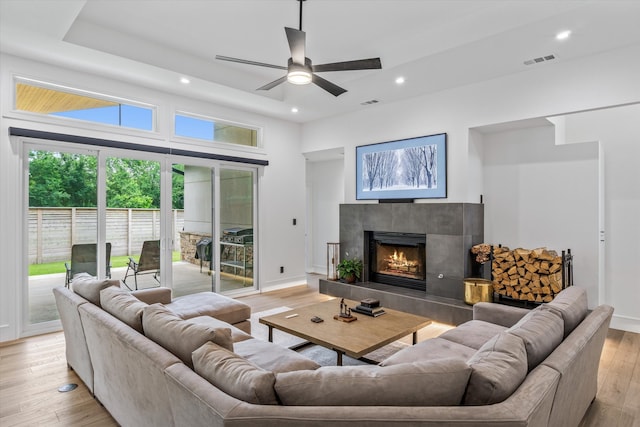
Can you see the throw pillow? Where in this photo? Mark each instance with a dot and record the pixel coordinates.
(497, 370)
(234, 375)
(179, 336)
(434, 383)
(542, 330)
(88, 287)
(122, 305)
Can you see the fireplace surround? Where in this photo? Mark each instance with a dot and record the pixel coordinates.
(451, 229)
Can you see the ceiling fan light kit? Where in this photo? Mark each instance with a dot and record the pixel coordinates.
(299, 74)
(300, 71)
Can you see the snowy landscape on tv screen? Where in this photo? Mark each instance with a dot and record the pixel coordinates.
(402, 169)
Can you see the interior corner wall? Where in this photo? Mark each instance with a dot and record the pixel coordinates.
(538, 194)
(618, 132)
(588, 83)
(326, 184)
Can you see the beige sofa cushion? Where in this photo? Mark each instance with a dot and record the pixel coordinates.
(435, 383)
(123, 306)
(237, 335)
(497, 370)
(179, 336)
(572, 305)
(431, 349)
(234, 375)
(88, 287)
(542, 330)
(210, 304)
(474, 333)
(272, 357)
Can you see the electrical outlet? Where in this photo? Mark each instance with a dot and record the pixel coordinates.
(294, 221)
(281, 269)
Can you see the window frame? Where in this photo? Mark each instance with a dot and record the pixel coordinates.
(70, 121)
(213, 143)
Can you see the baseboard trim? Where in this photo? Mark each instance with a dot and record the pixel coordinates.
(625, 323)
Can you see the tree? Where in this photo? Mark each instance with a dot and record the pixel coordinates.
(61, 179)
(132, 183)
(428, 161)
(412, 166)
(379, 167)
(177, 185)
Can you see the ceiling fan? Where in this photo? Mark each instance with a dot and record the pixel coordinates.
(301, 71)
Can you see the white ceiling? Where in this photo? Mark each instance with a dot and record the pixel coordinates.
(434, 44)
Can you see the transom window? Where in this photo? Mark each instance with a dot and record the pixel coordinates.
(208, 129)
(58, 101)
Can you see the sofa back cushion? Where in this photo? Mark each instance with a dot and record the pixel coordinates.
(497, 370)
(123, 306)
(234, 375)
(179, 336)
(88, 287)
(542, 330)
(433, 383)
(572, 305)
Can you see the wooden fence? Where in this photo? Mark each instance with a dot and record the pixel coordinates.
(52, 231)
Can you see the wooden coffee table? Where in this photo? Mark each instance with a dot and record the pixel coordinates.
(354, 339)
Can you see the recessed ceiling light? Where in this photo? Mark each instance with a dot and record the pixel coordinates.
(184, 80)
(563, 35)
(400, 80)
(294, 109)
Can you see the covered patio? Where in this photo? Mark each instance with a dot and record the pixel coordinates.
(187, 279)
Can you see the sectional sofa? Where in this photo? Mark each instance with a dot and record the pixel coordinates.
(507, 367)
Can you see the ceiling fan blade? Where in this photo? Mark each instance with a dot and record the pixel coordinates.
(244, 61)
(333, 89)
(359, 64)
(273, 83)
(296, 40)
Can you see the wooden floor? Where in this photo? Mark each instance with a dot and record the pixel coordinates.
(32, 369)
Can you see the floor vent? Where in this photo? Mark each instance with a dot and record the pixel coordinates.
(539, 59)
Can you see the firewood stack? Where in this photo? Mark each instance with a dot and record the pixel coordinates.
(527, 275)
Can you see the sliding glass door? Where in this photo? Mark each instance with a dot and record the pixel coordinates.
(133, 220)
(217, 240)
(148, 220)
(193, 228)
(236, 208)
(62, 225)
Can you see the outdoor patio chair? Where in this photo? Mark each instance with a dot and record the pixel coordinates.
(85, 260)
(148, 263)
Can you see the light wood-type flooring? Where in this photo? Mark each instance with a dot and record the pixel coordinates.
(32, 369)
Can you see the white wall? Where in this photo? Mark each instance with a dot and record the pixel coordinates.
(538, 194)
(282, 190)
(605, 80)
(618, 132)
(325, 181)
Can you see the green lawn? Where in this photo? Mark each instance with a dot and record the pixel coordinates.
(58, 267)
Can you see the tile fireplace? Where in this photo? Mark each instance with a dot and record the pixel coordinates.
(425, 247)
(439, 234)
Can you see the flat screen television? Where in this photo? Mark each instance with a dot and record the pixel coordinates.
(413, 168)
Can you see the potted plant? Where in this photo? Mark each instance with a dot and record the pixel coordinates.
(349, 269)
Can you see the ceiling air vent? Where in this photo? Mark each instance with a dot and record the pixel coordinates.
(539, 59)
(373, 101)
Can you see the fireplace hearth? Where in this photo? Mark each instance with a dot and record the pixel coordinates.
(397, 259)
